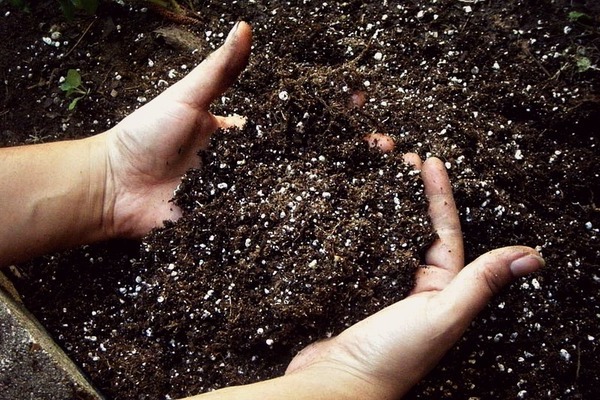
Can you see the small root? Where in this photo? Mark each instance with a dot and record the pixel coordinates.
(173, 16)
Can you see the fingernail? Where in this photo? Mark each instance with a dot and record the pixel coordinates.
(526, 265)
(232, 31)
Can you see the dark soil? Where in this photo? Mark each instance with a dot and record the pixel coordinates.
(294, 229)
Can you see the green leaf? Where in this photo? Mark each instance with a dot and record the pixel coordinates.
(576, 16)
(72, 86)
(73, 103)
(583, 64)
(65, 87)
(72, 81)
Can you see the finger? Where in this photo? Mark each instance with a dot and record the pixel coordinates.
(233, 121)
(218, 72)
(445, 257)
(479, 281)
(447, 252)
(413, 160)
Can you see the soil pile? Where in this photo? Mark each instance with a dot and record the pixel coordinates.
(293, 227)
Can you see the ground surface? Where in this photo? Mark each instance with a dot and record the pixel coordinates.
(294, 228)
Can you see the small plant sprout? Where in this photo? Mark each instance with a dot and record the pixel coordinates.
(585, 64)
(72, 87)
(576, 16)
(70, 6)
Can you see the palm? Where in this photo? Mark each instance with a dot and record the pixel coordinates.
(398, 345)
(151, 149)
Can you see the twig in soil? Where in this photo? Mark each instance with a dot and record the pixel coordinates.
(81, 37)
(561, 69)
(105, 77)
(175, 16)
(525, 48)
(43, 82)
(231, 311)
(578, 361)
(462, 28)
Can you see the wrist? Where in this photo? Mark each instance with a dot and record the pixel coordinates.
(343, 382)
(322, 381)
(347, 364)
(101, 193)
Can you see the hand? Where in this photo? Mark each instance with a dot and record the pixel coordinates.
(150, 150)
(384, 355)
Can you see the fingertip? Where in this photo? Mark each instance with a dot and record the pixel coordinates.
(232, 121)
(233, 56)
(245, 29)
(413, 159)
(217, 72)
(434, 162)
(240, 35)
(526, 264)
(380, 141)
(486, 276)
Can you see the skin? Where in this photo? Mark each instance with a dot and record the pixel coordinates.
(119, 183)
(381, 141)
(358, 99)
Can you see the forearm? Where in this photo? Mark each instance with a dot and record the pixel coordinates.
(313, 384)
(52, 197)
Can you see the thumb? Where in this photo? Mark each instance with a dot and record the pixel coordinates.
(217, 72)
(478, 282)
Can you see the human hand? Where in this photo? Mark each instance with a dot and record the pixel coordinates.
(384, 355)
(150, 150)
